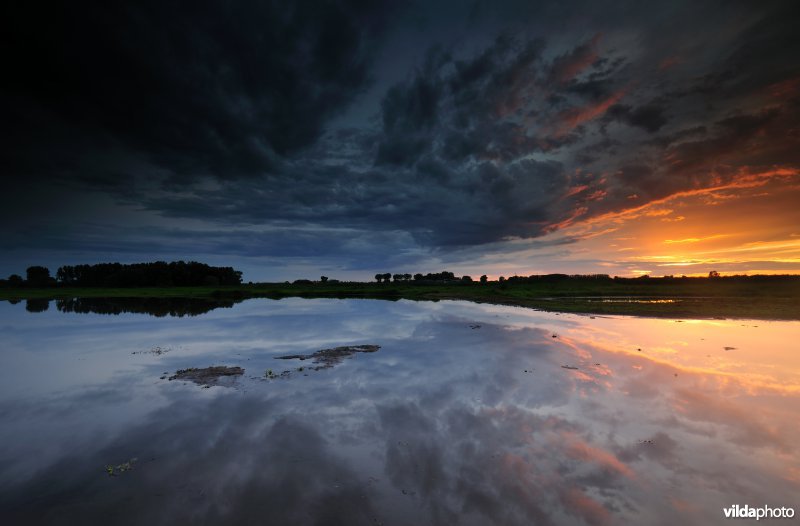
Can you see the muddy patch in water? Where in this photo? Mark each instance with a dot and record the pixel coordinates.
(207, 376)
(327, 358)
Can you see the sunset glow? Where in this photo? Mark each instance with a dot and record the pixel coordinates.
(746, 227)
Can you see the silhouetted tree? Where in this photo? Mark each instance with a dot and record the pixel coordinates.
(387, 276)
(158, 274)
(15, 280)
(713, 274)
(439, 276)
(418, 277)
(323, 278)
(484, 279)
(66, 275)
(38, 276)
(406, 277)
(378, 277)
(466, 279)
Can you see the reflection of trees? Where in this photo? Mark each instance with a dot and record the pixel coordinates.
(154, 306)
(37, 305)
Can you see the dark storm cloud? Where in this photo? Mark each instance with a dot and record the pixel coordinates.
(763, 53)
(199, 88)
(250, 114)
(567, 66)
(457, 108)
(649, 117)
(436, 204)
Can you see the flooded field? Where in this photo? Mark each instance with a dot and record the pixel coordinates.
(375, 412)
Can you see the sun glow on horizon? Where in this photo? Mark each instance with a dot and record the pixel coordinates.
(748, 226)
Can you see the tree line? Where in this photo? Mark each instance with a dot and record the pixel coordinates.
(438, 276)
(446, 276)
(157, 274)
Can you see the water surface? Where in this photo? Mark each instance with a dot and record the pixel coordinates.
(468, 414)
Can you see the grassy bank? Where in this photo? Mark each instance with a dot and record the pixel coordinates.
(679, 298)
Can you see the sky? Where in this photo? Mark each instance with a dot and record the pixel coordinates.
(345, 138)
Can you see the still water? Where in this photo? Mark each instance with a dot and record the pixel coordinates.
(468, 414)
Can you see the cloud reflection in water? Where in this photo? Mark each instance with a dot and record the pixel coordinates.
(444, 425)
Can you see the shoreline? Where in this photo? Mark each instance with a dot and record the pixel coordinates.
(770, 303)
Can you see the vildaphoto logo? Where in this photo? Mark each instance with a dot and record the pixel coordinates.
(764, 512)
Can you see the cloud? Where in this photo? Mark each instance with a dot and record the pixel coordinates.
(570, 119)
(568, 66)
(219, 89)
(649, 117)
(254, 115)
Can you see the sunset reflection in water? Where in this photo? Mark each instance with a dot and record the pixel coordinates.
(468, 414)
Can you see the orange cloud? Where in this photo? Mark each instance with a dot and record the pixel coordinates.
(580, 450)
(569, 66)
(570, 119)
(578, 212)
(752, 230)
(574, 190)
(745, 180)
(590, 510)
(786, 89)
(694, 239)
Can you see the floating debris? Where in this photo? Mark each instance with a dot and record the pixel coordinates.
(474, 326)
(119, 469)
(207, 376)
(555, 335)
(327, 358)
(570, 367)
(272, 376)
(157, 351)
(729, 348)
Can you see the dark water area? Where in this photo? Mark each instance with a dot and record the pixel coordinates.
(176, 307)
(465, 414)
